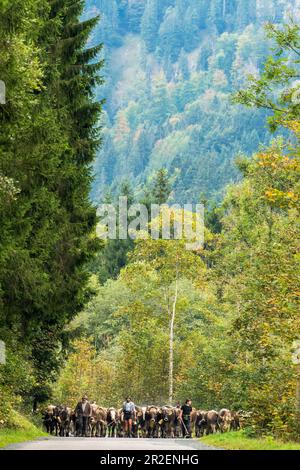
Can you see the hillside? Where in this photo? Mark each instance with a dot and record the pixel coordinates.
(171, 67)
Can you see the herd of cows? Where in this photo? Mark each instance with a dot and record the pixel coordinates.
(149, 422)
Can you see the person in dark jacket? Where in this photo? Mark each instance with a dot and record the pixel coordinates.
(83, 413)
(185, 416)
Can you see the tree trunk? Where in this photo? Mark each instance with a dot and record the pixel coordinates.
(34, 404)
(224, 8)
(171, 364)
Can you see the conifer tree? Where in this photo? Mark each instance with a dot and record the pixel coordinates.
(114, 255)
(77, 72)
(150, 24)
(49, 137)
(161, 187)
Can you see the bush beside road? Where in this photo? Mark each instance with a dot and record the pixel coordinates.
(22, 431)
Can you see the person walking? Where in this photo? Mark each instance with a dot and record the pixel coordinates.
(83, 413)
(129, 415)
(185, 417)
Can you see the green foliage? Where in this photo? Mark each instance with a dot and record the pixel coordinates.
(115, 253)
(279, 76)
(236, 302)
(20, 429)
(262, 284)
(168, 90)
(129, 319)
(48, 136)
(161, 187)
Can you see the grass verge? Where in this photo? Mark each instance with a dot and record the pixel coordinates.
(22, 431)
(240, 441)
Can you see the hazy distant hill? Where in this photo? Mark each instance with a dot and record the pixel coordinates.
(171, 66)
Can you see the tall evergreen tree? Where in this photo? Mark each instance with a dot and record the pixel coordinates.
(114, 255)
(150, 24)
(183, 66)
(161, 187)
(48, 137)
(77, 74)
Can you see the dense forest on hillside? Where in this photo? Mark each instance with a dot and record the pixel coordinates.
(171, 66)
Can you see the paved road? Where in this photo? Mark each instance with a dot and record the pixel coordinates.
(78, 443)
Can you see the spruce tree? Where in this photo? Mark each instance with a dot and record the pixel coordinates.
(76, 71)
(48, 137)
(161, 187)
(114, 255)
(183, 66)
(150, 24)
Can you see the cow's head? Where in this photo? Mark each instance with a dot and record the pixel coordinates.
(141, 413)
(152, 415)
(112, 414)
(167, 413)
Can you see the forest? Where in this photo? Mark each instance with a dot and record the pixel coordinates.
(171, 66)
(161, 101)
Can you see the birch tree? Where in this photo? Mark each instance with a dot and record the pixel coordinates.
(172, 263)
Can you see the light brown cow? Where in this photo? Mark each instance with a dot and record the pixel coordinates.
(193, 417)
(50, 419)
(224, 420)
(152, 425)
(98, 422)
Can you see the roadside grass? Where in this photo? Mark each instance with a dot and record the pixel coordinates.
(22, 430)
(240, 441)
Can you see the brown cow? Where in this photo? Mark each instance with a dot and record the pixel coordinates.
(152, 426)
(50, 419)
(141, 421)
(166, 420)
(177, 422)
(98, 423)
(103, 421)
(64, 417)
(235, 424)
(121, 423)
(211, 420)
(200, 423)
(193, 419)
(240, 419)
(224, 420)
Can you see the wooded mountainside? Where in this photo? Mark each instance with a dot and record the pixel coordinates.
(171, 66)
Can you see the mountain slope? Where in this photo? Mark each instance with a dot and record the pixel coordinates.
(171, 66)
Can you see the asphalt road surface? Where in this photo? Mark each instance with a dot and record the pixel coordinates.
(79, 443)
